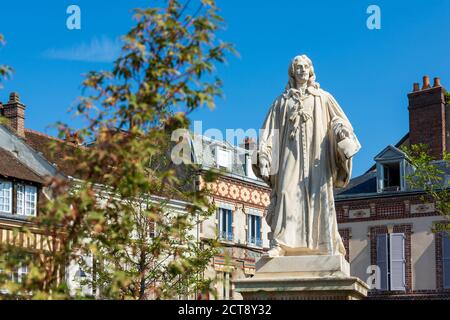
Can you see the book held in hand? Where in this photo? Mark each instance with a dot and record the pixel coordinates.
(348, 147)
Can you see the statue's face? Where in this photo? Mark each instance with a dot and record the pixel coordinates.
(301, 71)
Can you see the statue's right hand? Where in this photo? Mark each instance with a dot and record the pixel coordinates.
(264, 168)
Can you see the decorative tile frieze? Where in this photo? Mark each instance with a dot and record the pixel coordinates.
(359, 213)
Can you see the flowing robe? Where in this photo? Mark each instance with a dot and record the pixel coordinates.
(300, 145)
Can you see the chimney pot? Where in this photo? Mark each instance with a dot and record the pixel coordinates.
(248, 144)
(426, 82)
(437, 82)
(14, 97)
(416, 87)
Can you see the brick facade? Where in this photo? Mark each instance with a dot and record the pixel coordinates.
(383, 208)
(345, 235)
(401, 228)
(427, 118)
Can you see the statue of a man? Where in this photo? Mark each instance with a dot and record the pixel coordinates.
(305, 150)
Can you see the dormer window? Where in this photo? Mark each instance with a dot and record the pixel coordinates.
(392, 168)
(223, 158)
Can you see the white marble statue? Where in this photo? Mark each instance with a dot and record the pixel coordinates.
(305, 150)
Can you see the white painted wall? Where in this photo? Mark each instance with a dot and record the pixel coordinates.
(423, 258)
(209, 226)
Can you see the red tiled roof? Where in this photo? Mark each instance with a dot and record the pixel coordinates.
(41, 142)
(11, 167)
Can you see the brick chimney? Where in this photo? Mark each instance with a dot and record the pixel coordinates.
(429, 117)
(14, 111)
(248, 144)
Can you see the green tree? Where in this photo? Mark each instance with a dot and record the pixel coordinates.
(429, 176)
(165, 71)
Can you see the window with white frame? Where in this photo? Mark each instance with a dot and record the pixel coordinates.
(391, 176)
(254, 229)
(26, 200)
(20, 273)
(223, 158)
(5, 196)
(225, 223)
(446, 260)
(391, 261)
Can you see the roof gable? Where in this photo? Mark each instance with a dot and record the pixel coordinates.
(403, 142)
(41, 143)
(25, 154)
(390, 153)
(11, 167)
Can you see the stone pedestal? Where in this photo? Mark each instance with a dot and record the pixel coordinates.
(302, 278)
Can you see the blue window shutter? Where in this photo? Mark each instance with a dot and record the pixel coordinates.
(380, 177)
(219, 219)
(223, 229)
(226, 220)
(230, 225)
(382, 260)
(258, 228)
(248, 227)
(446, 260)
(398, 261)
(252, 224)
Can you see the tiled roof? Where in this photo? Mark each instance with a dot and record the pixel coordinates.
(11, 167)
(366, 183)
(41, 142)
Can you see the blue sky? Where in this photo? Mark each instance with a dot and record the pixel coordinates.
(369, 72)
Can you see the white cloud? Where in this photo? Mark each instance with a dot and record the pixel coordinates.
(97, 50)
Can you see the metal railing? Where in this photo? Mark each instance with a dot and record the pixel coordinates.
(224, 235)
(255, 241)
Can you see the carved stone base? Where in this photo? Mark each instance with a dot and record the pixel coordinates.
(302, 278)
